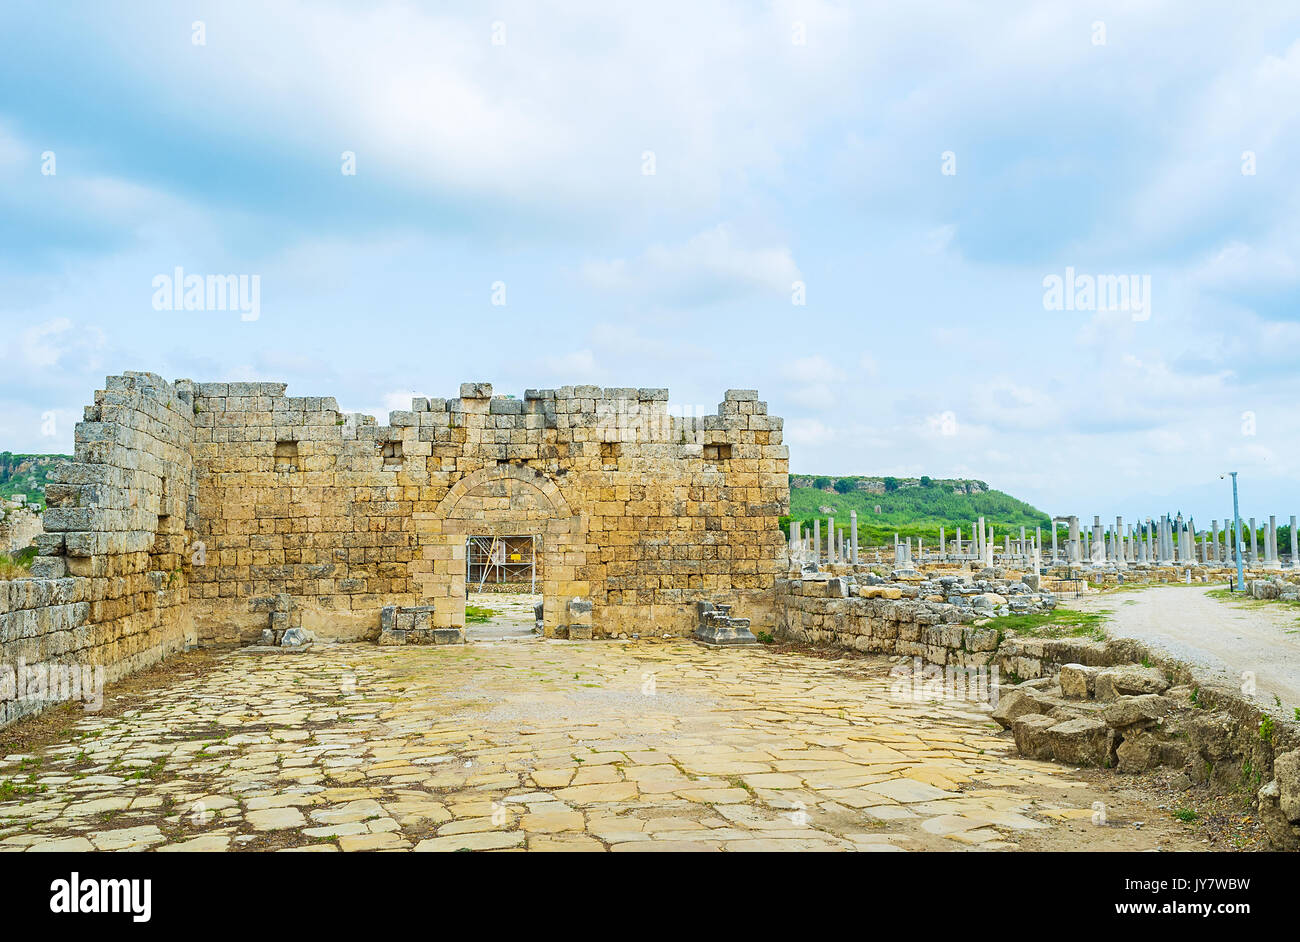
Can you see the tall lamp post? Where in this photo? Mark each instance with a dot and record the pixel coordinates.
(1236, 528)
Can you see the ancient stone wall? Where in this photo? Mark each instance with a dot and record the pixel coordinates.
(208, 513)
(19, 526)
(108, 587)
(638, 513)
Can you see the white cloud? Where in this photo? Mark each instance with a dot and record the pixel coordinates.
(809, 432)
(709, 266)
(577, 366)
(43, 346)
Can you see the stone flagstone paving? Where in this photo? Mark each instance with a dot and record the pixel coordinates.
(541, 745)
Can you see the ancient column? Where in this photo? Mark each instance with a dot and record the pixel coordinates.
(1254, 543)
(853, 522)
(817, 540)
(1295, 556)
(1273, 562)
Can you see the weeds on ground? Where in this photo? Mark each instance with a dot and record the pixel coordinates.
(1061, 623)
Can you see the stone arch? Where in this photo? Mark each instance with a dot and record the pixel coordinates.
(505, 500)
(527, 476)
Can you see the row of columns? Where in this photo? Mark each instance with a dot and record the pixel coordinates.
(1163, 541)
(839, 547)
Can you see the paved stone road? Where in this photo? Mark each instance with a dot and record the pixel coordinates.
(1223, 638)
(544, 745)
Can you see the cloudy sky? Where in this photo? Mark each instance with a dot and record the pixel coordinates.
(853, 207)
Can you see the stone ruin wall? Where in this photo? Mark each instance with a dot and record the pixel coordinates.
(109, 585)
(199, 513)
(639, 512)
(19, 526)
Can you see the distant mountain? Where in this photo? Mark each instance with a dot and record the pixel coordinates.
(914, 507)
(27, 475)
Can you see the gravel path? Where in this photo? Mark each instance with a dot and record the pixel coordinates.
(1223, 638)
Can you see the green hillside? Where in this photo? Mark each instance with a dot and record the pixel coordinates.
(910, 507)
(27, 474)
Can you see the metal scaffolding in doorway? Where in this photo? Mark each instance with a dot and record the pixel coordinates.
(501, 560)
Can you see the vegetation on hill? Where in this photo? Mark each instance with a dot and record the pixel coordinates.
(910, 507)
(27, 474)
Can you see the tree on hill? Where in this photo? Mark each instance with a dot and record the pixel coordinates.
(844, 485)
(891, 485)
(821, 483)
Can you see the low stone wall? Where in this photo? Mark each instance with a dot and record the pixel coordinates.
(822, 611)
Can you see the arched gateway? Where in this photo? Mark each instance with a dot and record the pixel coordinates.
(507, 500)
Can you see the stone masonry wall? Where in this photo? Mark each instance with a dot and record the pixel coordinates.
(823, 612)
(18, 527)
(207, 513)
(638, 512)
(108, 586)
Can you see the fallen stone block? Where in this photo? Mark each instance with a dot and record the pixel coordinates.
(1129, 680)
(296, 638)
(1083, 741)
(1129, 711)
(1139, 752)
(1078, 681)
(1030, 732)
(1018, 702)
(1279, 802)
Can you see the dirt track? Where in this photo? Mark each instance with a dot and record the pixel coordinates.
(1222, 638)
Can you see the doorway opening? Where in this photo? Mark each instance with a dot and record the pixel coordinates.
(502, 597)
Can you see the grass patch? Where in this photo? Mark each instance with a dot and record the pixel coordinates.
(1244, 600)
(10, 789)
(17, 565)
(1061, 623)
(475, 614)
(1186, 814)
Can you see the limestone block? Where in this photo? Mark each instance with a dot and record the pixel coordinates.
(1016, 702)
(1130, 679)
(1078, 681)
(1130, 710)
(1031, 737)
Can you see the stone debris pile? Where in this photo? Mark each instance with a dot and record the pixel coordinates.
(1136, 718)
